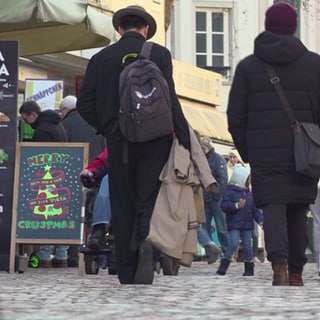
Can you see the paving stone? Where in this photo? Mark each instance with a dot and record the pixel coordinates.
(196, 293)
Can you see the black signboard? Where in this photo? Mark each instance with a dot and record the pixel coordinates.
(48, 193)
(8, 137)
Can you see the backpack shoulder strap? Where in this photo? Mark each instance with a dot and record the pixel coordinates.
(146, 49)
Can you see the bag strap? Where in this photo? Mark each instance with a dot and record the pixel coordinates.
(146, 49)
(275, 81)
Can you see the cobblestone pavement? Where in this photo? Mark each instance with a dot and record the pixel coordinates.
(196, 293)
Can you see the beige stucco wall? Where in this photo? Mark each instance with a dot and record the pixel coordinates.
(196, 83)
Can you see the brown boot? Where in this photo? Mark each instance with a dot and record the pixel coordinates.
(59, 263)
(45, 264)
(295, 279)
(280, 275)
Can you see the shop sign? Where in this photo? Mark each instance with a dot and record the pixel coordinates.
(47, 93)
(8, 136)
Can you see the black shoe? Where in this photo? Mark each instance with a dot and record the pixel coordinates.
(248, 268)
(145, 271)
(96, 240)
(224, 265)
(73, 262)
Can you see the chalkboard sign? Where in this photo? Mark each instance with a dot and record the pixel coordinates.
(48, 193)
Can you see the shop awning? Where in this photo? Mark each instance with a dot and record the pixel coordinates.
(206, 120)
(48, 26)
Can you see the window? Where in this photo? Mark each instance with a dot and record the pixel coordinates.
(212, 38)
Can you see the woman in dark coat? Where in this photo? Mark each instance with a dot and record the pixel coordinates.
(262, 134)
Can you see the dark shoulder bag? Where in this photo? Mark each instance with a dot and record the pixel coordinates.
(306, 135)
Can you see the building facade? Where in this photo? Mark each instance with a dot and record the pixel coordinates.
(217, 34)
(199, 90)
(207, 38)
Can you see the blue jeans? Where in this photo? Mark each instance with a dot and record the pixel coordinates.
(235, 236)
(203, 237)
(45, 252)
(213, 210)
(101, 208)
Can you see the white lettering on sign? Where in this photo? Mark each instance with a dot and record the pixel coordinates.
(3, 68)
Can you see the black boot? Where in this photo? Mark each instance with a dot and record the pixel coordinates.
(97, 238)
(248, 268)
(224, 264)
(145, 269)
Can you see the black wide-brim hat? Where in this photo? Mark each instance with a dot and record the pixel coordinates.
(139, 12)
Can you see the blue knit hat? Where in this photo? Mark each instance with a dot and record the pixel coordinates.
(239, 175)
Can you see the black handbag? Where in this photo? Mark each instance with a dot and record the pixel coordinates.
(306, 135)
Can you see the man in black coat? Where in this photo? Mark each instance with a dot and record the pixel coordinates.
(47, 128)
(263, 136)
(46, 124)
(134, 168)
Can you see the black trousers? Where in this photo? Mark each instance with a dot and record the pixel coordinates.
(285, 233)
(134, 170)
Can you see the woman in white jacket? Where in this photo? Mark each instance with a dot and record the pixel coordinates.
(315, 209)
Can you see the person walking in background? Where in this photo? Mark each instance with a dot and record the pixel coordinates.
(47, 128)
(134, 168)
(263, 136)
(234, 158)
(78, 130)
(204, 238)
(315, 210)
(237, 203)
(212, 200)
(212, 250)
(255, 242)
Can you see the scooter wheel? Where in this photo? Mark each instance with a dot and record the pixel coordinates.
(34, 261)
(91, 264)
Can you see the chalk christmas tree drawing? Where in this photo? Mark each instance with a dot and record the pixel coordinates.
(47, 198)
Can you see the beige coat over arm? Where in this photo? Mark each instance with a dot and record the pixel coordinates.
(179, 205)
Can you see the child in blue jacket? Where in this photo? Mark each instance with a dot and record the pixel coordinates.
(237, 203)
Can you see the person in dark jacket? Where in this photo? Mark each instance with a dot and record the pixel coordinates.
(46, 124)
(78, 130)
(237, 203)
(263, 136)
(47, 128)
(134, 168)
(212, 200)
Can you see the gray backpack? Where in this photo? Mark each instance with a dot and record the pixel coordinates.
(145, 108)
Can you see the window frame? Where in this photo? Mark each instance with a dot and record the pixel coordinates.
(209, 54)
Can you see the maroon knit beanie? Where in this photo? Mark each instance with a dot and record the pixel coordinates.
(281, 18)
